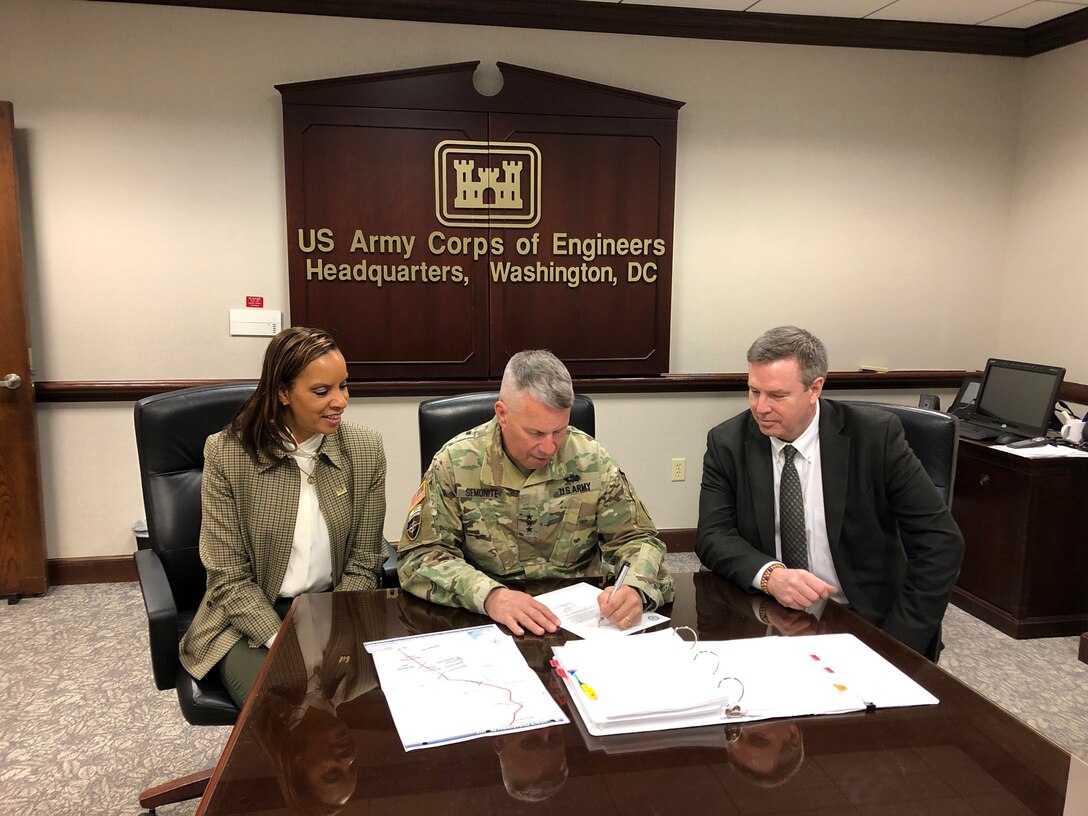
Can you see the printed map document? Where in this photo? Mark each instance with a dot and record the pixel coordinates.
(456, 686)
(578, 612)
(658, 681)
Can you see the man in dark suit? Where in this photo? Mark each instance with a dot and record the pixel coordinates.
(807, 499)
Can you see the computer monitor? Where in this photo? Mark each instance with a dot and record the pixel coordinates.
(1017, 398)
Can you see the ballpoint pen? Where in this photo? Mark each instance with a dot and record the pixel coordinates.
(624, 567)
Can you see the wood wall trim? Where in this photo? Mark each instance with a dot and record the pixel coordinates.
(1061, 31)
(130, 390)
(116, 569)
(61, 391)
(687, 23)
(1074, 392)
(102, 569)
(111, 390)
(681, 539)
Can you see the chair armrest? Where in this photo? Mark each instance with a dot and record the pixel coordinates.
(390, 579)
(162, 617)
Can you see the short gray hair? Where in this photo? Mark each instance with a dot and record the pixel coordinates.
(790, 342)
(540, 373)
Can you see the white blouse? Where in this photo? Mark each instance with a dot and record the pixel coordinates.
(309, 568)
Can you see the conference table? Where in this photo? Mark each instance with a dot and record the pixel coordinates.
(316, 736)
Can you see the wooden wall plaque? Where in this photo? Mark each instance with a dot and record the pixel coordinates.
(436, 231)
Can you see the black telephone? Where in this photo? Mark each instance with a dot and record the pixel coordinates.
(963, 405)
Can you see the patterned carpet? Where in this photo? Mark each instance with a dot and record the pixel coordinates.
(84, 730)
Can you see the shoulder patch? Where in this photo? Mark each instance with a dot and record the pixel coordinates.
(414, 520)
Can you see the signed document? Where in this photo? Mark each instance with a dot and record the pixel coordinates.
(578, 613)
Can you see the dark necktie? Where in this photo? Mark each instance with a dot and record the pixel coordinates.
(791, 508)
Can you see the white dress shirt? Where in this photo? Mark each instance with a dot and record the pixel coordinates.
(807, 462)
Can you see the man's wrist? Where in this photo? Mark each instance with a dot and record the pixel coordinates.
(489, 596)
(478, 589)
(764, 582)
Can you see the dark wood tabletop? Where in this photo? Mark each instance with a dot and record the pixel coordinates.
(327, 744)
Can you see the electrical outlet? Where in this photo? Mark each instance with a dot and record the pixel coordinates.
(679, 469)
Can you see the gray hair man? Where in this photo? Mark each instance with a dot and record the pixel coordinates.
(526, 496)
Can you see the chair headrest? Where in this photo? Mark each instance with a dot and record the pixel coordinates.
(440, 420)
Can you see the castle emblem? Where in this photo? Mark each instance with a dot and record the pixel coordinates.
(487, 184)
(471, 193)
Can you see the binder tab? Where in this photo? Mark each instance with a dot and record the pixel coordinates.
(558, 668)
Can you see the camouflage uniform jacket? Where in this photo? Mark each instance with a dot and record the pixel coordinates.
(477, 521)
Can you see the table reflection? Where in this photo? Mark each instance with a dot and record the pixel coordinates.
(533, 763)
(766, 754)
(318, 736)
(297, 717)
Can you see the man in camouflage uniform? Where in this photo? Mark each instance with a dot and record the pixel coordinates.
(525, 497)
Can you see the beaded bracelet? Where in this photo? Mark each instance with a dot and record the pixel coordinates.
(767, 575)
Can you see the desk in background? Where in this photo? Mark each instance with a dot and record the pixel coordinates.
(963, 756)
(1025, 524)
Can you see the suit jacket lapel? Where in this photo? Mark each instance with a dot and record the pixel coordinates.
(835, 469)
(279, 488)
(761, 485)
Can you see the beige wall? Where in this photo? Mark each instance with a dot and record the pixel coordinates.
(1046, 282)
(864, 194)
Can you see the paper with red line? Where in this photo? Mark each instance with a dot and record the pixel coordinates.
(447, 687)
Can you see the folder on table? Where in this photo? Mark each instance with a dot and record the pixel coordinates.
(656, 681)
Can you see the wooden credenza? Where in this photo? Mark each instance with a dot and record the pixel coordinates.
(1025, 523)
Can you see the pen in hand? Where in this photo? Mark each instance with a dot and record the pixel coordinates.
(624, 567)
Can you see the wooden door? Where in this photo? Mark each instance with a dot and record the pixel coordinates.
(22, 534)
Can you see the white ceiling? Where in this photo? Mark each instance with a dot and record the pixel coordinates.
(1007, 13)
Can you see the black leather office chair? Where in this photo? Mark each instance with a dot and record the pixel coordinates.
(933, 437)
(171, 430)
(441, 419)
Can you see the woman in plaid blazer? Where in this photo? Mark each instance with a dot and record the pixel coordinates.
(293, 501)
